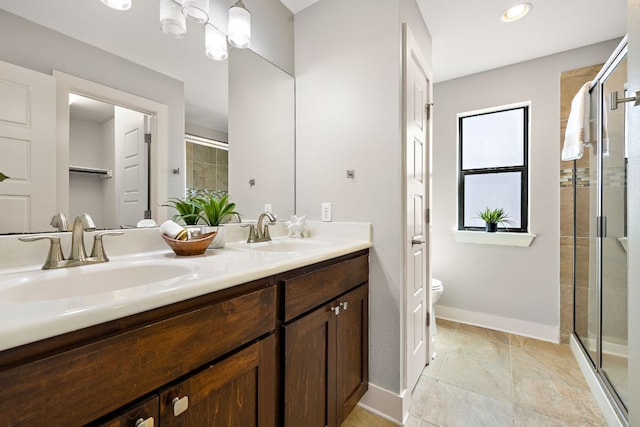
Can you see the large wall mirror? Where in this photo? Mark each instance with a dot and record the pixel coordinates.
(127, 51)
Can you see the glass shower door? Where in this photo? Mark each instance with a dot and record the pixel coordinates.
(613, 348)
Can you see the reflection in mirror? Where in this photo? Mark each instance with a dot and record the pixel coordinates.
(78, 38)
(207, 165)
(108, 162)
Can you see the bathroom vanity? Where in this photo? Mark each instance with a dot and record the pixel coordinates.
(289, 348)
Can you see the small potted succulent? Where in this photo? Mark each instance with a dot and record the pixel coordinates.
(216, 211)
(493, 217)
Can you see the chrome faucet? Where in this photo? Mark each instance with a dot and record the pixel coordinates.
(78, 254)
(260, 233)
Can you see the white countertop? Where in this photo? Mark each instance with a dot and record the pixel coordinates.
(41, 314)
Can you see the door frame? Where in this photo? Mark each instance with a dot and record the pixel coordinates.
(158, 169)
(410, 48)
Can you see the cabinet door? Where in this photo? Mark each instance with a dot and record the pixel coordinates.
(310, 370)
(144, 414)
(237, 391)
(352, 350)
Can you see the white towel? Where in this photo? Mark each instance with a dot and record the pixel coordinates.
(577, 133)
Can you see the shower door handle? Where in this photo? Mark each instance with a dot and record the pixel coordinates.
(601, 226)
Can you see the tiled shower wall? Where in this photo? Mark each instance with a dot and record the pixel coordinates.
(207, 167)
(570, 83)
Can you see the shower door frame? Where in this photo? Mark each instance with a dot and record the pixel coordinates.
(597, 88)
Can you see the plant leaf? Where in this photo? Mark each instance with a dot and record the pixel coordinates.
(3, 177)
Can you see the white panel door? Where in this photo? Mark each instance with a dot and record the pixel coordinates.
(27, 149)
(131, 166)
(416, 97)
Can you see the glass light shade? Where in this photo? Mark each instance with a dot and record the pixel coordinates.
(196, 10)
(118, 4)
(239, 26)
(215, 44)
(172, 21)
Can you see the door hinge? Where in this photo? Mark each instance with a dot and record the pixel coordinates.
(427, 215)
(428, 319)
(427, 108)
(147, 138)
(147, 214)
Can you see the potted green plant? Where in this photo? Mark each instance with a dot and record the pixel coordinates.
(493, 217)
(188, 210)
(216, 211)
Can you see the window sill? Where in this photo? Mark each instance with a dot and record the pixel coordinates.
(499, 238)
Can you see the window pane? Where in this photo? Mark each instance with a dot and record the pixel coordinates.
(493, 140)
(493, 190)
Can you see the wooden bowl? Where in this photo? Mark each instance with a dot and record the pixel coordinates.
(192, 246)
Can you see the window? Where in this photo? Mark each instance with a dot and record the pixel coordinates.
(493, 166)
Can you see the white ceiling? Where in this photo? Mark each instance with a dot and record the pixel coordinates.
(469, 37)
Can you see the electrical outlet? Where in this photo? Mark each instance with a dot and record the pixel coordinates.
(268, 208)
(326, 212)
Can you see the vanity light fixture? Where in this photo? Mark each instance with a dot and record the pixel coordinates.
(516, 12)
(215, 44)
(196, 10)
(172, 20)
(118, 4)
(239, 26)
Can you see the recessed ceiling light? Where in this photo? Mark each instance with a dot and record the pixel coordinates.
(516, 12)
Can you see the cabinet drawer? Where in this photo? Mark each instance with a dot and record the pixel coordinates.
(75, 386)
(305, 292)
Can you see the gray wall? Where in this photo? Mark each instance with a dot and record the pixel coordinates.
(633, 80)
(519, 284)
(32, 46)
(348, 105)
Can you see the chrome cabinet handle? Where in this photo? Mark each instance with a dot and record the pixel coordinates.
(336, 309)
(180, 405)
(145, 423)
(344, 305)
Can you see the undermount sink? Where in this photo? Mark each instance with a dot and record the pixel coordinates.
(89, 280)
(287, 245)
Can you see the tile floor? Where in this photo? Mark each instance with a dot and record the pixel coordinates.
(482, 377)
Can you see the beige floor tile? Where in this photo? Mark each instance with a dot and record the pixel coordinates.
(487, 334)
(537, 347)
(417, 422)
(527, 418)
(422, 393)
(538, 391)
(361, 418)
(454, 406)
(490, 380)
(479, 347)
(447, 324)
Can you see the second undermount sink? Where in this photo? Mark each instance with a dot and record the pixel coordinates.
(90, 280)
(288, 245)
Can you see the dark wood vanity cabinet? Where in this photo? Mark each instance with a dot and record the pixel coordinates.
(221, 359)
(325, 344)
(237, 391)
(78, 378)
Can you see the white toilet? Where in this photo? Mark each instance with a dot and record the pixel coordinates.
(436, 292)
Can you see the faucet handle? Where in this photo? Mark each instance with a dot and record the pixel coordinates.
(252, 232)
(97, 251)
(59, 221)
(55, 256)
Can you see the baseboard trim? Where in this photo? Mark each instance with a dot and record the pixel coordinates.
(504, 324)
(387, 404)
(597, 390)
